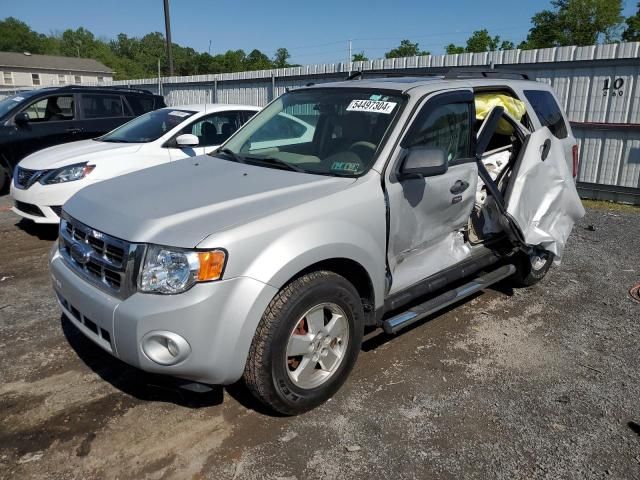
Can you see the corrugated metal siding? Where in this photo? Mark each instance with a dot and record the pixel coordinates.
(577, 74)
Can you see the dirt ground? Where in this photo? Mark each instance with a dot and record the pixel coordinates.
(535, 383)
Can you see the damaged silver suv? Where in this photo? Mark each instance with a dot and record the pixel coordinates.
(341, 206)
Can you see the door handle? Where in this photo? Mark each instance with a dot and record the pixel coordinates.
(459, 187)
(74, 130)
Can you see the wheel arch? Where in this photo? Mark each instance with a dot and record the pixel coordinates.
(353, 272)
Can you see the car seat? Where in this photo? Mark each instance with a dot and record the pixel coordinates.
(209, 134)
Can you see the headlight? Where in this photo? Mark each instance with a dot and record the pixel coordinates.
(171, 270)
(68, 174)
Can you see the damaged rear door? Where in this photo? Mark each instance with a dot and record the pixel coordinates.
(541, 199)
(540, 204)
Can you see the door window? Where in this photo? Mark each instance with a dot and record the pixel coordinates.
(214, 129)
(445, 127)
(51, 109)
(548, 111)
(101, 106)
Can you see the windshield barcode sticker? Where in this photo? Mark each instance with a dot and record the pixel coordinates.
(178, 113)
(371, 106)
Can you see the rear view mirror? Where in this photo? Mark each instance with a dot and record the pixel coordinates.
(21, 119)
(187, 140)
(487, 129)
(424, 161)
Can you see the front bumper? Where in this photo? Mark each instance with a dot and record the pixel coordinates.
(45, 198)
(218, 320)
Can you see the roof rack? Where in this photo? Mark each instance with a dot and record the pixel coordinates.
(458, 73)
(107, 87)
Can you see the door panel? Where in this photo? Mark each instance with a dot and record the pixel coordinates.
(424, 239)
(426, 214)
(52, 122)
(541, 199)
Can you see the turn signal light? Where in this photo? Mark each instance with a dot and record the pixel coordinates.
(211, 265)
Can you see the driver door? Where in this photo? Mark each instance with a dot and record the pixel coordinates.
(427, 214)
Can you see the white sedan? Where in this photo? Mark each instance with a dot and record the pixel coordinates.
(45, 180)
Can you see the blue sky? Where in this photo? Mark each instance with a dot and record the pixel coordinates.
(313, 32)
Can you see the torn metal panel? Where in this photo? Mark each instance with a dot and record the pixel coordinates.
(542, 197)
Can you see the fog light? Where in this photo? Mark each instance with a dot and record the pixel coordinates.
(165, 348)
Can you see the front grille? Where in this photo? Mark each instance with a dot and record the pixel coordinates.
(25, 177)
(105, 261)
(29, 208)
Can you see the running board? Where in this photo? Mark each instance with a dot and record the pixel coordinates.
(404, 319)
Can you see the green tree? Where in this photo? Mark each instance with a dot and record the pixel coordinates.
(632, 31)
(453, 49)
(17, 36)
(481, 41)
(281, 58)
(256, 60)
(575, 22)
(359, 57)
(132, 57)
(405, 49)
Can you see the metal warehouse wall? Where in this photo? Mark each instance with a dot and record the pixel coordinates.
(597, 85)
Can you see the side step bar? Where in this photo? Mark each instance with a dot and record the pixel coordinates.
(404, 319)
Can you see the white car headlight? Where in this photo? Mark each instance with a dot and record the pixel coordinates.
(171, 270)
(67, 174)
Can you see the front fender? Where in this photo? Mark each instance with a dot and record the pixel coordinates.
(346, 224)
(297, 249)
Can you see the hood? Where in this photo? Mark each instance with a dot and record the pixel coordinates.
(74, 152)
(180, 203)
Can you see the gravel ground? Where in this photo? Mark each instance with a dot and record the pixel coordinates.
(535, 383)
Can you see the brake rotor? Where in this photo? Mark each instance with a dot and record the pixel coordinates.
(634, 292)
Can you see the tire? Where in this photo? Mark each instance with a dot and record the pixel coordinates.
(316, 313)
(4, 179)
(531, 268)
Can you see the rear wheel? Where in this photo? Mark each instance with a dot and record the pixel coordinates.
(531, 268)
(306, 343)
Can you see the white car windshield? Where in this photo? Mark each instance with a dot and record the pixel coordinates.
(148, 127)
(323, 131)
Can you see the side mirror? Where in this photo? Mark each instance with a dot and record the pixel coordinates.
(187, 140)
(487, 129)
(423, 162)
(21, 119)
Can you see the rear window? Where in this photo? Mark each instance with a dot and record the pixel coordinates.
(548, 111)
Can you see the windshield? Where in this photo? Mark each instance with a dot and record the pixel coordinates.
(325, 131)
(9, 103)
(148, 127)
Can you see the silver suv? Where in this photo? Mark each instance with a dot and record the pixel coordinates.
(339, 207)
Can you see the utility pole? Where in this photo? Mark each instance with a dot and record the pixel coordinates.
(167, 26)
(209, 47)
(350, 57)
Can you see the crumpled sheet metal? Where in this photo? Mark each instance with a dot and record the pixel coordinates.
(543, 200)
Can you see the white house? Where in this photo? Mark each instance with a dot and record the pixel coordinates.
(26, 71)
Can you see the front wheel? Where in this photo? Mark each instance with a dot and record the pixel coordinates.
(306, 343)
(531, 268)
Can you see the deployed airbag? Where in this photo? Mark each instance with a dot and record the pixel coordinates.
(485, 102)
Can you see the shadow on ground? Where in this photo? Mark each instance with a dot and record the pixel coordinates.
(152, 387)
(43, 232)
